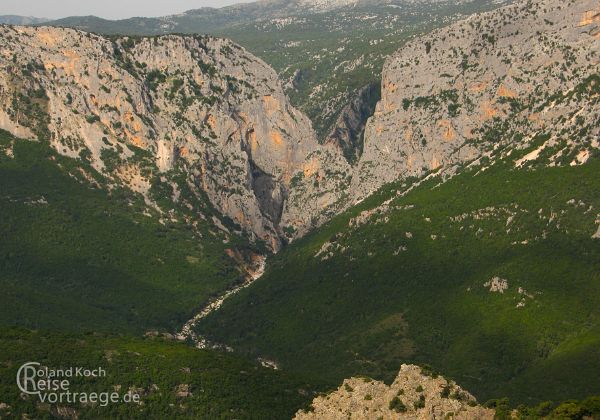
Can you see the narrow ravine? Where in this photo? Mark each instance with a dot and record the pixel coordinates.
(187, 331)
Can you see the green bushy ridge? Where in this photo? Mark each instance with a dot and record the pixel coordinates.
(74, 256)
(222, 386)
(365, 310)
(566, 410)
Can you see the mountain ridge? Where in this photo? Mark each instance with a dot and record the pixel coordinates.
(21, 20)
(262, 9)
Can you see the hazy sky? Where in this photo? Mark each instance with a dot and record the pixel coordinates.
(110, 9)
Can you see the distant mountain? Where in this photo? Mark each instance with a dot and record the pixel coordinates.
(209, 19)
(21, 20)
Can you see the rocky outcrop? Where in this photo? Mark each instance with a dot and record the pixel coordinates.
(145, 108)
(484, 86)
(349, 128)
(412, 395)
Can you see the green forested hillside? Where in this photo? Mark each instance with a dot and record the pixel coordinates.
(492, 278)
(173, 380)
(78, 254)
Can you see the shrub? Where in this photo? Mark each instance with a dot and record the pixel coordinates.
(420, 403)
(154, 78)
(397, 405)
(453, 109)
(91, 119)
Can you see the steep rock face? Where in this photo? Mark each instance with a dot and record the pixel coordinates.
(318, 192)
(146, 108)
(518, 68)
(412, 395)
(349, 129)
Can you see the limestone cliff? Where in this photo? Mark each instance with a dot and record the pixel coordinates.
(484, 86)
(199, 106)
